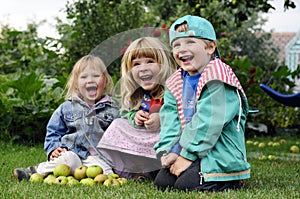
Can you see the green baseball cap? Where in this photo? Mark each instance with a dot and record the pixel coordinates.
(197, 27)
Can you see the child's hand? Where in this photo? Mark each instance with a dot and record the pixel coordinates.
(57, 152)
(140, 117)
(153, 123)
(168, 160)
(180, 165)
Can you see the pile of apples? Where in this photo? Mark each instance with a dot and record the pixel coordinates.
(83, 175)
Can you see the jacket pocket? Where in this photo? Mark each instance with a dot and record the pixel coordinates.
(72, 116)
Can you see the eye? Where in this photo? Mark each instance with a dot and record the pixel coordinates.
(190, 42)
(151, 61)
(175, 45)
(135, 64)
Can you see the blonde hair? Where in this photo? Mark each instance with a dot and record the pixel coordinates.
(80, 65)
(149, 47)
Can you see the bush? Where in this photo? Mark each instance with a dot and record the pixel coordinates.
(27, 102)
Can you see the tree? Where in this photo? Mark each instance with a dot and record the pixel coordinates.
(34, 70)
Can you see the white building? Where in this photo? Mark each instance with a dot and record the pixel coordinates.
(289, 45)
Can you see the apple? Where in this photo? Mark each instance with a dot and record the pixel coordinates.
(62, 180)
(282, 141)
(50, 179)
(99, 179)
(80, 172)
(255, 143)
(261, 145)
(62, 170)
(111, 182)
(122, 180)
(113, 175)
(275, 144)
(88, 181)
(262, 157)
(294, 149)
(271, 157)
(249, 142)
(72, 180)
(93, 170)
(36, 177)
(270, 143)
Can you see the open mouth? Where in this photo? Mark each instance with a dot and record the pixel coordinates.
(186, 58)
(146, 78)
(92, 90)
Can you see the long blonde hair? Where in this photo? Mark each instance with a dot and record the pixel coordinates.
(149, 47)
(80, 65)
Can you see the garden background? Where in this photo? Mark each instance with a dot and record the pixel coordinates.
(33, 70)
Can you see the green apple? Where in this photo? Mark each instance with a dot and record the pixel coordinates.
(36, 177)
(113, 175)
(111, 182)
(99, 179)
(80, 172)
(262, 157)
(50, 179)
(272, 157)
(275, 144)
(62, 170)
(255, 143)
(61, 180)
(249, 142)
(88, 181)
(261, 145)
(72, 180)
(270, 143)
(122, 180)
(93, 170)
(294, 149)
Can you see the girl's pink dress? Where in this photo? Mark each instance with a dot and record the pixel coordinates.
(130, 149)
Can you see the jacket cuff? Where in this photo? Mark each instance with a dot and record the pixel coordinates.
(184, 153)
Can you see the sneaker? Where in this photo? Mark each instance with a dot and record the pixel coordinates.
(24, 173)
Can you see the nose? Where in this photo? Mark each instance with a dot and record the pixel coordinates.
(143, 67)
(90, 79)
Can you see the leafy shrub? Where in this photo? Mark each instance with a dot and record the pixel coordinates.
(27, 102)
(271, 112)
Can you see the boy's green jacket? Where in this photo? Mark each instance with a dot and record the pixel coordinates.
(216, 131)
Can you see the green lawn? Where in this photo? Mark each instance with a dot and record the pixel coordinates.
(278, 178)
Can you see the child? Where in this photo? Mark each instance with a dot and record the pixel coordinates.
(202, 144)
(77, 125)
(128, 142)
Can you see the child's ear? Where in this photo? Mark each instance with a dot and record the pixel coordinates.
(211, 47)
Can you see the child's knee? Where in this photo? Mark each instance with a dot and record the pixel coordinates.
(70, 158)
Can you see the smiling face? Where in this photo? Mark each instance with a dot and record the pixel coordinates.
(91, 83)
(145, 72)
(192, 54)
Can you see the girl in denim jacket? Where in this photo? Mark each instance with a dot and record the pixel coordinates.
(77, 125)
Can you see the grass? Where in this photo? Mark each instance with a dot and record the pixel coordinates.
(278, 178)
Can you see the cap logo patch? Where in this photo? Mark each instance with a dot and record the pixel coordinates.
(191, 33)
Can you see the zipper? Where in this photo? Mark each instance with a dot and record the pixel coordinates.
(201, 175)
(201, 178)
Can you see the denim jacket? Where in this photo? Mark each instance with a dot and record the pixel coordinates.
(78, 127)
